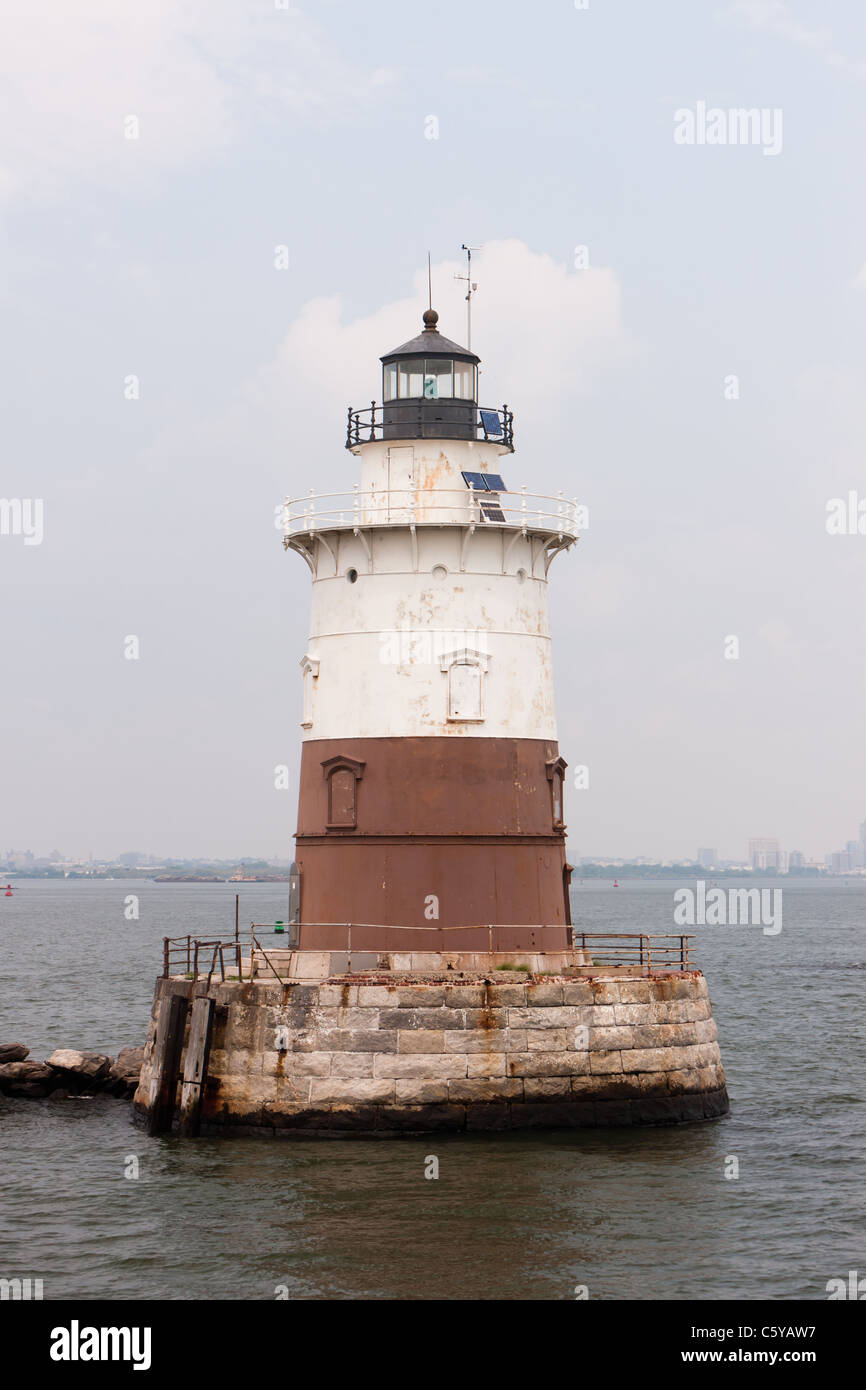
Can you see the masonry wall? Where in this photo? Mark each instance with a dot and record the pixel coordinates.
(371, 1057)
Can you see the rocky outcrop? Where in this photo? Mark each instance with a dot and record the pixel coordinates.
(124, 1073)
(30, 1079)
(68, 1071)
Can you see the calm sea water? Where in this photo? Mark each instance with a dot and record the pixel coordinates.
(631, 1214)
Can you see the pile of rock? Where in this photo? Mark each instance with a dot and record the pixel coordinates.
(68, 1072)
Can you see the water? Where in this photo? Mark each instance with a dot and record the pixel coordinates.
(631, 1214)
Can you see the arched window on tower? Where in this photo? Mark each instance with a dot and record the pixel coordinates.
(556, 776)
(342, 776)
(310, 673)
(466, 671)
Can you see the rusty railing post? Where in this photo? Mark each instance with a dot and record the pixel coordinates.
(165, 957)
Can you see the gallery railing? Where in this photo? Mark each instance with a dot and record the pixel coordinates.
(358, 509)
(458, 419)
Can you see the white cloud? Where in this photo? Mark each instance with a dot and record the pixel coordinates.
(775, 17)
(193, 72)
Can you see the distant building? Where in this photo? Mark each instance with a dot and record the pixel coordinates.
(707, 858)
(840, 862)
(766, 854)
(796, 860)
(854, 850)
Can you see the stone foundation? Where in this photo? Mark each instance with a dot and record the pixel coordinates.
(389, 1053)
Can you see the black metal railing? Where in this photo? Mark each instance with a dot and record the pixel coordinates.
(194, 958)
(418, 420)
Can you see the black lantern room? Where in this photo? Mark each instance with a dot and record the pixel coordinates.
(429, 387)
(430, 391)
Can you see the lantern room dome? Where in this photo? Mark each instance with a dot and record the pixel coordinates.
(431, 343)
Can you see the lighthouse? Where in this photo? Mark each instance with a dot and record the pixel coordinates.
(431, 860)
(431, 785)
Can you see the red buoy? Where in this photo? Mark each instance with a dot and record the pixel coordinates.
(8, 893)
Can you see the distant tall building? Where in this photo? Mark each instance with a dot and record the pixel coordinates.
(840, 862)
(796, 860)
(765, 854)
(707, 858)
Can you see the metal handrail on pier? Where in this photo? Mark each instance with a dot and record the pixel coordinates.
(650, 953)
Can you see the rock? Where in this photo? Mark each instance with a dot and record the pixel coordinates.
(77, 1070)
(13, 1052)
(124, 1074)
(33, 1079)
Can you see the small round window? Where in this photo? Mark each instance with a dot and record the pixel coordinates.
(439, 573)
(352, 576)
(521, 576)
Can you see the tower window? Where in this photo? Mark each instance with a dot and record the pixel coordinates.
(342, 776)
(556, 776)
(466, 671)
(310, 673)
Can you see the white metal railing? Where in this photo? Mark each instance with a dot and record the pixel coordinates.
(526, 511)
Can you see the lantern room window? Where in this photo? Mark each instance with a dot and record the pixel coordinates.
(430, 378)
(464, 381)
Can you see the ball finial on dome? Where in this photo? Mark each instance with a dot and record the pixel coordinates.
(431, 318)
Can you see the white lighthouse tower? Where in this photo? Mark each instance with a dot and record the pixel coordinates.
(431, 790)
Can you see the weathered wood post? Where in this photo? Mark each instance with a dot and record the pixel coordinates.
(166, 1062)
(195, 1066)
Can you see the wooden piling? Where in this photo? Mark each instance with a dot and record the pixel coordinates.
(195, 1066)
(166, 1062)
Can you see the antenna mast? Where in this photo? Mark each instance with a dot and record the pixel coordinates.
(471, 287)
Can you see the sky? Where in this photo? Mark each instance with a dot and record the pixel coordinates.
(676, 321)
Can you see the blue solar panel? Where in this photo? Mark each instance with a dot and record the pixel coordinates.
(475, 480)
(491, 510)
(491, 424)
(495, 482)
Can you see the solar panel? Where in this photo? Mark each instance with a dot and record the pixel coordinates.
(490, 510)
(495, 482)
(475, 480)
(491, 423)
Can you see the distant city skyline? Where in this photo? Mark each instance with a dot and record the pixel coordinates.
(763, 854)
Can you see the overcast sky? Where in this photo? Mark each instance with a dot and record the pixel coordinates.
(260, 127)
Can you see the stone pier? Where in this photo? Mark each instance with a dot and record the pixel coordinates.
(418, 1046)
